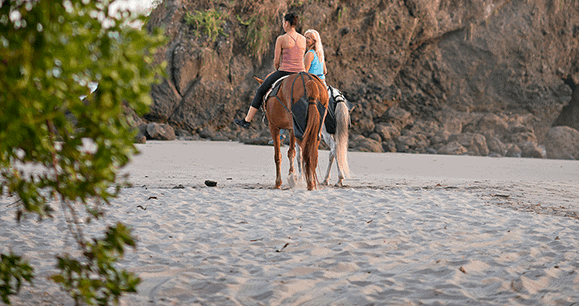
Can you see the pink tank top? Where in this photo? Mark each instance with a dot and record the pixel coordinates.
(292, 59)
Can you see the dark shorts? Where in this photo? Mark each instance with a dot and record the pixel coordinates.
(266, 85)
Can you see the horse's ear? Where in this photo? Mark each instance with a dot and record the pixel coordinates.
(260, 81)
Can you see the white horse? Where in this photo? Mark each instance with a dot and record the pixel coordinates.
(337, 141)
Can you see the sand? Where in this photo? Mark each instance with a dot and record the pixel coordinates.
(408, 229)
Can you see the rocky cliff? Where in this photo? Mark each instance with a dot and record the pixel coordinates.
(478, 77)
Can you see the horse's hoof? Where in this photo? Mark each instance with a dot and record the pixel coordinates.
(292, 181)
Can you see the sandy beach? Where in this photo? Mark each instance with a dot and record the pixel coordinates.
(407, 229)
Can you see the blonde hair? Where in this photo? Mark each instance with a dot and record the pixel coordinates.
(318, 47)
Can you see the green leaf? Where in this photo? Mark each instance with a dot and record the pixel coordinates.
(57, 278)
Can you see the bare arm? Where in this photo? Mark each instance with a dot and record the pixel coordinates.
(308, 60)
(325, 69)
(277, 53)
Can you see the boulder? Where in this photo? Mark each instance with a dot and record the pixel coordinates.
(491, 125)
(140, 139)
(474, 143)
(562, 142)
(141, 133)
(531, 149)
(514, 151)
(440, 137)
(496, 146)
(405, 143)
(389, 146)
(387, 131)
(399, 117)
(450, 120)
(452, 148)
(375, 136)
(160, 131)
(479, 146)
(361, 121)
(363, 144)
(520, 134)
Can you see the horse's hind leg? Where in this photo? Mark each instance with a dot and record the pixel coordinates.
(291, 154)
(300, 161)
(341, 175)
(277, 154)
(329, 140)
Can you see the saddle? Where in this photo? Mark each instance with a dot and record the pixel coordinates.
(335, 98)
(274, 89)
(272, 92)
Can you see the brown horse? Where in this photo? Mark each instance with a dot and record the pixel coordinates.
(279, 116)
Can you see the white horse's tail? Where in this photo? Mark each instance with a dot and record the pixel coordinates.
(341, 137)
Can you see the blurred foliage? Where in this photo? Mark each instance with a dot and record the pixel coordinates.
(80, 280)
(50, 51)
(12, 272)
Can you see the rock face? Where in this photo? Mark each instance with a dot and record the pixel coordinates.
(479, 77)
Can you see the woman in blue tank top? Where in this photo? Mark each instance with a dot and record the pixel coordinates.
(314, 61)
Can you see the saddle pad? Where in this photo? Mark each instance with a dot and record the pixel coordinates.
(300, 116)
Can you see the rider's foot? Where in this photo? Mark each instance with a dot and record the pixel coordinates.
(242, 123)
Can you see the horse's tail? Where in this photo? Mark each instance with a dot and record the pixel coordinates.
(310, 138)
(341, 136)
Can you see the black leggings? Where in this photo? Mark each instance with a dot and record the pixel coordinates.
(266, 85)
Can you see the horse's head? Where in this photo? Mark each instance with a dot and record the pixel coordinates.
(260, 81)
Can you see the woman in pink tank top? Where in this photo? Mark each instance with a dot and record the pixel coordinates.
(288, 58)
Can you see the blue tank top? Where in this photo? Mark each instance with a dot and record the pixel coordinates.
(316, 67)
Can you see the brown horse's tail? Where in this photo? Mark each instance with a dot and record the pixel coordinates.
(310, 139)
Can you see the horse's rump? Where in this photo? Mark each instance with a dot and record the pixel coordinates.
(299, 108)
(335, 97)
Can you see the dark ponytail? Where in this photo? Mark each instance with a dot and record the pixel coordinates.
(292, 18)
